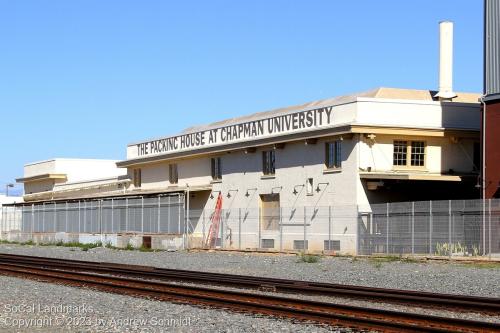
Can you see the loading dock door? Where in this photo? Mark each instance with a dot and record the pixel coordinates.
(270, 211)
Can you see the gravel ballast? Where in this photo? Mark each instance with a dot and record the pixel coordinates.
(62, 309)
(441, 277)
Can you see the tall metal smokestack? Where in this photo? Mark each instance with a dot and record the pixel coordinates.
(445, 61)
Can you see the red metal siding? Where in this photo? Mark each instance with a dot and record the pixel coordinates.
(492, 138)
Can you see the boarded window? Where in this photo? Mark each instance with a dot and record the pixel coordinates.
(137, 178)
(216, 168)
(333, 154)
(172, 174)
(270, 211)
(268, 162)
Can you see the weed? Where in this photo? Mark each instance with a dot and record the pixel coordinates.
(145, 249)
(309, 258)
(129, 247)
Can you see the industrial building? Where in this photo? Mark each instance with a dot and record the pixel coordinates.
(295, 178)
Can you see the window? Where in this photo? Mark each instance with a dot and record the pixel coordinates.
(417, 153)
(416, 150)
(332, 245)
(137, 178)
(268, 162)
(216, 168)
(173, 176)
(400, 150)
(309, 186)
(333, 154)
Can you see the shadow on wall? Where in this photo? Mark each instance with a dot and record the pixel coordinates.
(420, 190)
(291, 155)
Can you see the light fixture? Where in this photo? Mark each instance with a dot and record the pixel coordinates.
(295, 192)
(229, 193)
(7, 188)
(318, 189)
(212, 194)
(277, 187)
(250, 189)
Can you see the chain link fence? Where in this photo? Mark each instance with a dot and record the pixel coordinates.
(435, 228)
(442, 228)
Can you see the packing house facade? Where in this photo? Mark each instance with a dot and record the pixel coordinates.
(343, 153)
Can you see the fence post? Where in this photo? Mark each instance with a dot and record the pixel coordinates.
(281, 229)
(159, 213)
(259, 226)
(66, 227)
(32, 220)
(142, 215)
(126, 215)
(84, 215)
(55, 217)
(79, 230)
(112, 214)
(387, 230)
(413, 227)
(489, 229)
(449, 229)
(305, 228)
(222, 217)
(330, 228)
(43, 217)
(101, 231)
(203, 228)
(484, 226)
(430, 228)
(169, 208)
(239, 228)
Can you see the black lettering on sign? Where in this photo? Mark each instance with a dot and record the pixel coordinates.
(252, 129)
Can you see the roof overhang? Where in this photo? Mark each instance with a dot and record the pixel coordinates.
(326, 132)
(50, 196)
(339, 130)
(414, 176)
(46, 176)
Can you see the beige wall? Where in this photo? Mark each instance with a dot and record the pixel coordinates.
(441, 154)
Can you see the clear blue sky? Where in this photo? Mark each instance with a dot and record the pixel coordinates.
(84, 78)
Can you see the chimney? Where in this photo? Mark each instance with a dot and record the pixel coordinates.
(445, 61)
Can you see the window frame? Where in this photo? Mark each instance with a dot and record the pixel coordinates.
(408, 152)
(269, 162)
(336, 159)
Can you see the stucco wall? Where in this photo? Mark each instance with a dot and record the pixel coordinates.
(441, 154)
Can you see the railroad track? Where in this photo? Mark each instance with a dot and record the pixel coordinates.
(53, 270)
(485, 305)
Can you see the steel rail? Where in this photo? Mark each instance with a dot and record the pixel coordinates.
(447, 301)
(325, 313)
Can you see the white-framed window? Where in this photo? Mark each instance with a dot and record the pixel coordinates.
(403, 149)
(333, 154)
(216, 165)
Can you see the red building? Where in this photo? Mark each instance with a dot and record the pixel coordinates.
(491, 101)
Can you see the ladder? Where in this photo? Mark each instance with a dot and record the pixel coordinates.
(213, 232)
